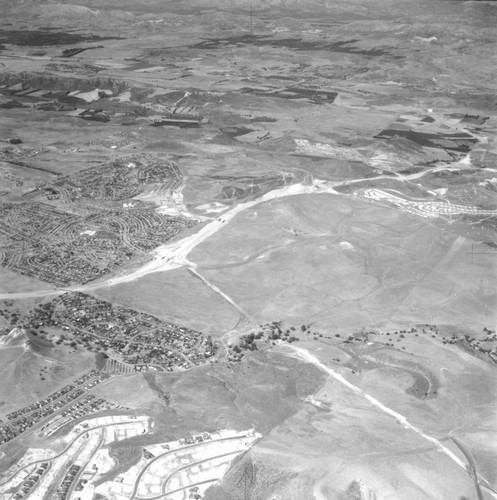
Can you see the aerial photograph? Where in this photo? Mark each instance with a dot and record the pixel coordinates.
(248, 250)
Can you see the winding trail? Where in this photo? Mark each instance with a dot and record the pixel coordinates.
(174, 255)
(305, 355)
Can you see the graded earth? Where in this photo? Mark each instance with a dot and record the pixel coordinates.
(248, 250)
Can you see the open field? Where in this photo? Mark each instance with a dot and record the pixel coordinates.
(290, 399)
(11, 281)
(277, 218)
(34, 370)
(341, 441)
(178, 296)
(351, 265)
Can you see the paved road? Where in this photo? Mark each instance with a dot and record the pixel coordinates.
(70, 402)
(66, 449)
(159, 457)
(174, 255)
(172, 492)
(186, 467)
(473, 471)
(83, 467)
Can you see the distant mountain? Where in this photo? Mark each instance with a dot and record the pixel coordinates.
(324, 10)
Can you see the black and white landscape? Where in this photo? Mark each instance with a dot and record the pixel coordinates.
(248, 250)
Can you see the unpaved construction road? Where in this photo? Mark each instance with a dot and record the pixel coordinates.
(174, 255)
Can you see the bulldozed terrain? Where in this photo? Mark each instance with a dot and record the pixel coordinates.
(248, 250)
